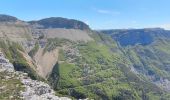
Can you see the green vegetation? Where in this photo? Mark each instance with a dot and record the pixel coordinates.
(147, 59)
(101, 69)
(61, 55)
(53, 43)
(93, 75)
(103, 72)
(34, 50)
(12, 52)
(66, 78)
(122, 65)
(10, 88)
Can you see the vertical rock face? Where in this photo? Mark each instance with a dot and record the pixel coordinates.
(70, 34)
(45, 66)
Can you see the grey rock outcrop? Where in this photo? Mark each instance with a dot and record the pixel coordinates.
(34, 90)
(5, 65)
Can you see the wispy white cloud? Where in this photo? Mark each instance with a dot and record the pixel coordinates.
(107, 12)
(103, 11)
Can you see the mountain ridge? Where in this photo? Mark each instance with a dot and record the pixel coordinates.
(59, 22)
(84, 63)
(7, 18)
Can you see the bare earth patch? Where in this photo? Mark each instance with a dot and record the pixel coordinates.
(46, 61)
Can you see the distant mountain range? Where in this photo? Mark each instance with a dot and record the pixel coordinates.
(53, 22)
(137, 36)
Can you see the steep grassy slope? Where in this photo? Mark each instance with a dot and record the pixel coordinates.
(148, 53)
(12, 52)
(100, 70)
(152, 62)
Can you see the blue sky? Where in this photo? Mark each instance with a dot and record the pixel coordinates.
(99, 14)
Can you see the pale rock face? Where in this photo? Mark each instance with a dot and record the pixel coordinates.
(44, 66)
(70, 34)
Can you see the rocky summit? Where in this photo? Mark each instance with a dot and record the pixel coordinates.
(7, 18)
(59, 22)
